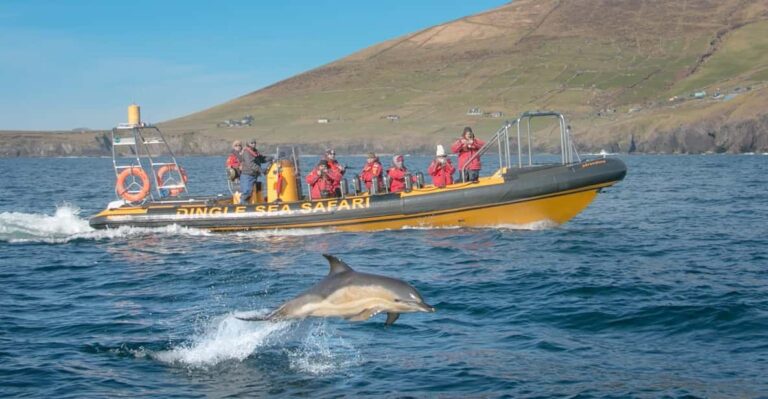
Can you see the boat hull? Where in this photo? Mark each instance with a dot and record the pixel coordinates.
(548, 194)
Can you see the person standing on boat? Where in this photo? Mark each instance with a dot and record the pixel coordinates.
(322, 181)
(334, 165)
(467, 146)
(441, 169)
(371, 169)
(250, 169)
(234, 160)
(397, 175)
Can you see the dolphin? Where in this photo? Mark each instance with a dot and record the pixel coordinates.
(351, 295)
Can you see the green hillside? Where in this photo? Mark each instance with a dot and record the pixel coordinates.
(616, 68)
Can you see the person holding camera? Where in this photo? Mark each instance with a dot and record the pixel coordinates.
(371, 169)
(441, 169)
(397, 175)
(250, 169)
(333, 164)
(330, 157)
(467, 146)
(322, 181)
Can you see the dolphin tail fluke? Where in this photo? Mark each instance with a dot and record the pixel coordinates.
(253, 318)
(276, 315)
(391, 318)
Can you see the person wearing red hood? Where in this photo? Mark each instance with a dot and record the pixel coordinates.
(467, 146)
(322, 181)
(336, 167)
(441, 169)
(397, 175)
(371, 169)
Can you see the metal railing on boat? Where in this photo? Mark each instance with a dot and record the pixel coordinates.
(148, 147)
(502, 139)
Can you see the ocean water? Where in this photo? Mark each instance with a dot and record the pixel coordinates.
(658, 289)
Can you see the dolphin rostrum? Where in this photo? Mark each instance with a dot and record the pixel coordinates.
(351, 295)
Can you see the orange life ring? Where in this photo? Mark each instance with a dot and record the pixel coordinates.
(173, 192)
(122, 191)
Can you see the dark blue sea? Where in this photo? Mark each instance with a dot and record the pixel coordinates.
(658, 289)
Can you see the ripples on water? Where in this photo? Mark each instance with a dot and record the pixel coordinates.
(658, 289)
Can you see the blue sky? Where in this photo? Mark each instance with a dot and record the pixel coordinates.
(69, 64)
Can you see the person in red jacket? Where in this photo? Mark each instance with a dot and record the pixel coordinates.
(333, 164)
(233, 160)
(441, 169)
(322, 180)
(371, 169)
(397, 175)
(467, 146)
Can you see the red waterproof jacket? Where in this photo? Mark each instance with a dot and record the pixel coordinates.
(336, 168)
(466, 151)
(397, 179)
(323, 184)
(442, 174)
(369, 171)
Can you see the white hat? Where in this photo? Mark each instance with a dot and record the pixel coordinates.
(440, 151)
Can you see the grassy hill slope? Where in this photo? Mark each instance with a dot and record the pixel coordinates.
(611, 66)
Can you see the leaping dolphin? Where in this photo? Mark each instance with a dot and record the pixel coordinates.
(351, 295)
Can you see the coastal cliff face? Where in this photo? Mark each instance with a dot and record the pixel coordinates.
(44, 144)
(741, 137)
(651, 76)
(96, 143)
(706, 137)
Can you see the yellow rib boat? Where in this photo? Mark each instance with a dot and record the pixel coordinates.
(518, 193)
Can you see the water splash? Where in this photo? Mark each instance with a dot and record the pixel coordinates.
(538, 225)
(23, 227)
(533, 226)
(226, 338)
(66, 225)
(418, 227)
(278, 233)
(323, 352)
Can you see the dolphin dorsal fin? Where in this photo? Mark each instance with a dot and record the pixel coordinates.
(337, 265)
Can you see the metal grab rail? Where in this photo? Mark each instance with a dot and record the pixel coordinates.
(134, 138)
(495, 139)
(567, 147)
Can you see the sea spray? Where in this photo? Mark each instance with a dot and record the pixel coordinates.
(65, 222)
(323, 351)
(533, 226)
(278, 233)
(311, 345)
(66, 225)
(224, 338)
